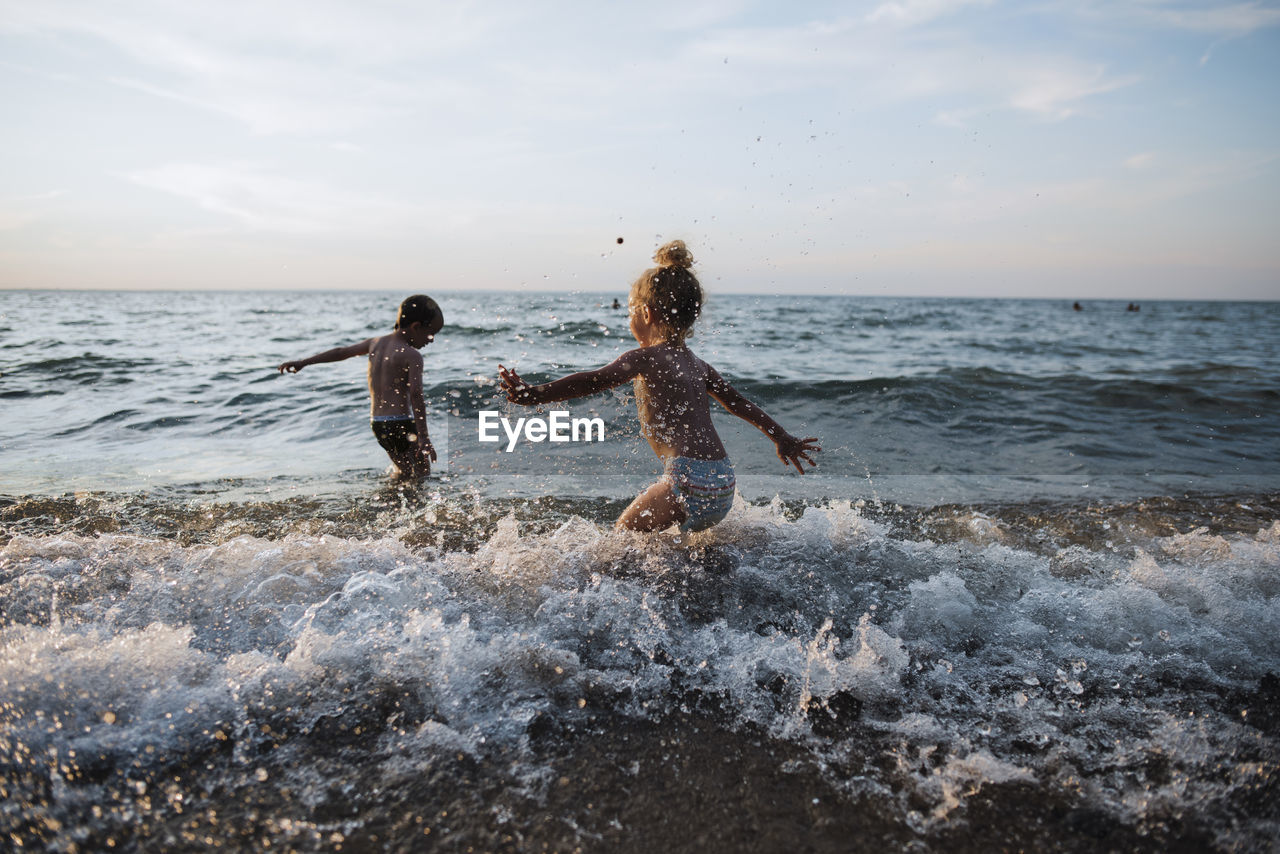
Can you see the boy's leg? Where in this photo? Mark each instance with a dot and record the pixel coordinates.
(655, 509)
(410, 461)
(404, 453)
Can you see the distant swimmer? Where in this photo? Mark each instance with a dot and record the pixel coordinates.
(1076, 306)
(616, 304)
(1133, 306)
(398, 414)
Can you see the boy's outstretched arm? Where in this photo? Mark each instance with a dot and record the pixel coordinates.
(581, 384)
(337, 354)
(790, 449)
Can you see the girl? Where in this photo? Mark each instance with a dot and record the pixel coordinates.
(672, 386)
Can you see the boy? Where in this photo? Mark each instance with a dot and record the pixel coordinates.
(398, 412)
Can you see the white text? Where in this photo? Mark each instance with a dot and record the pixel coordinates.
(558, 428)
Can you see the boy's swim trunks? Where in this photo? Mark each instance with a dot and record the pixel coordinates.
(705, 487)
(393, 434)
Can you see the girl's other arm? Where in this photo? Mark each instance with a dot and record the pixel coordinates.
(337, 354)
(625, 367)
(790, 449)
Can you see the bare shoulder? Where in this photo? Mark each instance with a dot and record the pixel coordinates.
(636, 359)
(390, 348)
(711, 377)
(643, 353)
(699, 364)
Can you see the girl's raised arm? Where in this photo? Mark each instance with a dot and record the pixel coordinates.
(625, 367)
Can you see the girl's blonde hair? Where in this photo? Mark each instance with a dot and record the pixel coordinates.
(670, 289)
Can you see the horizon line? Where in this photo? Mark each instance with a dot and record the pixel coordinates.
(614, 293)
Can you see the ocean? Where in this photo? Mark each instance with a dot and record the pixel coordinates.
(1030, 598)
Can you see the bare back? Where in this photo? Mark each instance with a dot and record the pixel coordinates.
(395, 369)
(673, 404)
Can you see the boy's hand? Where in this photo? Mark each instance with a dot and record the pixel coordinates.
(792, 450)
(517, 390)
(292, 367)
(427, 450)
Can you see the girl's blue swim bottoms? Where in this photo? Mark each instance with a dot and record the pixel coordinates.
(706, 488)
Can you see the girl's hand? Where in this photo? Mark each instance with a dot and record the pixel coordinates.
(517, 390)
(428, 451)
(792, 450)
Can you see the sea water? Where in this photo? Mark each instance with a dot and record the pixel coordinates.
(1028, 599)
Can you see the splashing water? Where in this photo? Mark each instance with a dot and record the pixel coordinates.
(314, 686)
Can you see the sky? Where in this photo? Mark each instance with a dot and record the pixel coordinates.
(1122, 149)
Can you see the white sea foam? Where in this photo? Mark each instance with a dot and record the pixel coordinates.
(977, 662)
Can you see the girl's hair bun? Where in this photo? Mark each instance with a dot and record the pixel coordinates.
(674, 254)
(671, 289)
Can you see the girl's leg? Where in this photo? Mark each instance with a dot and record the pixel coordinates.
(655, 509)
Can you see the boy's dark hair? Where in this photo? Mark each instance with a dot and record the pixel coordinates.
(420, 308)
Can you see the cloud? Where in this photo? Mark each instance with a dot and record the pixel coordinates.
(1209, 17)
(1238, 19)
(1054, 93)
(277, 67)
(900, 52)
(915, 12)
(296, 101)
(262, 201)
(329, 67)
